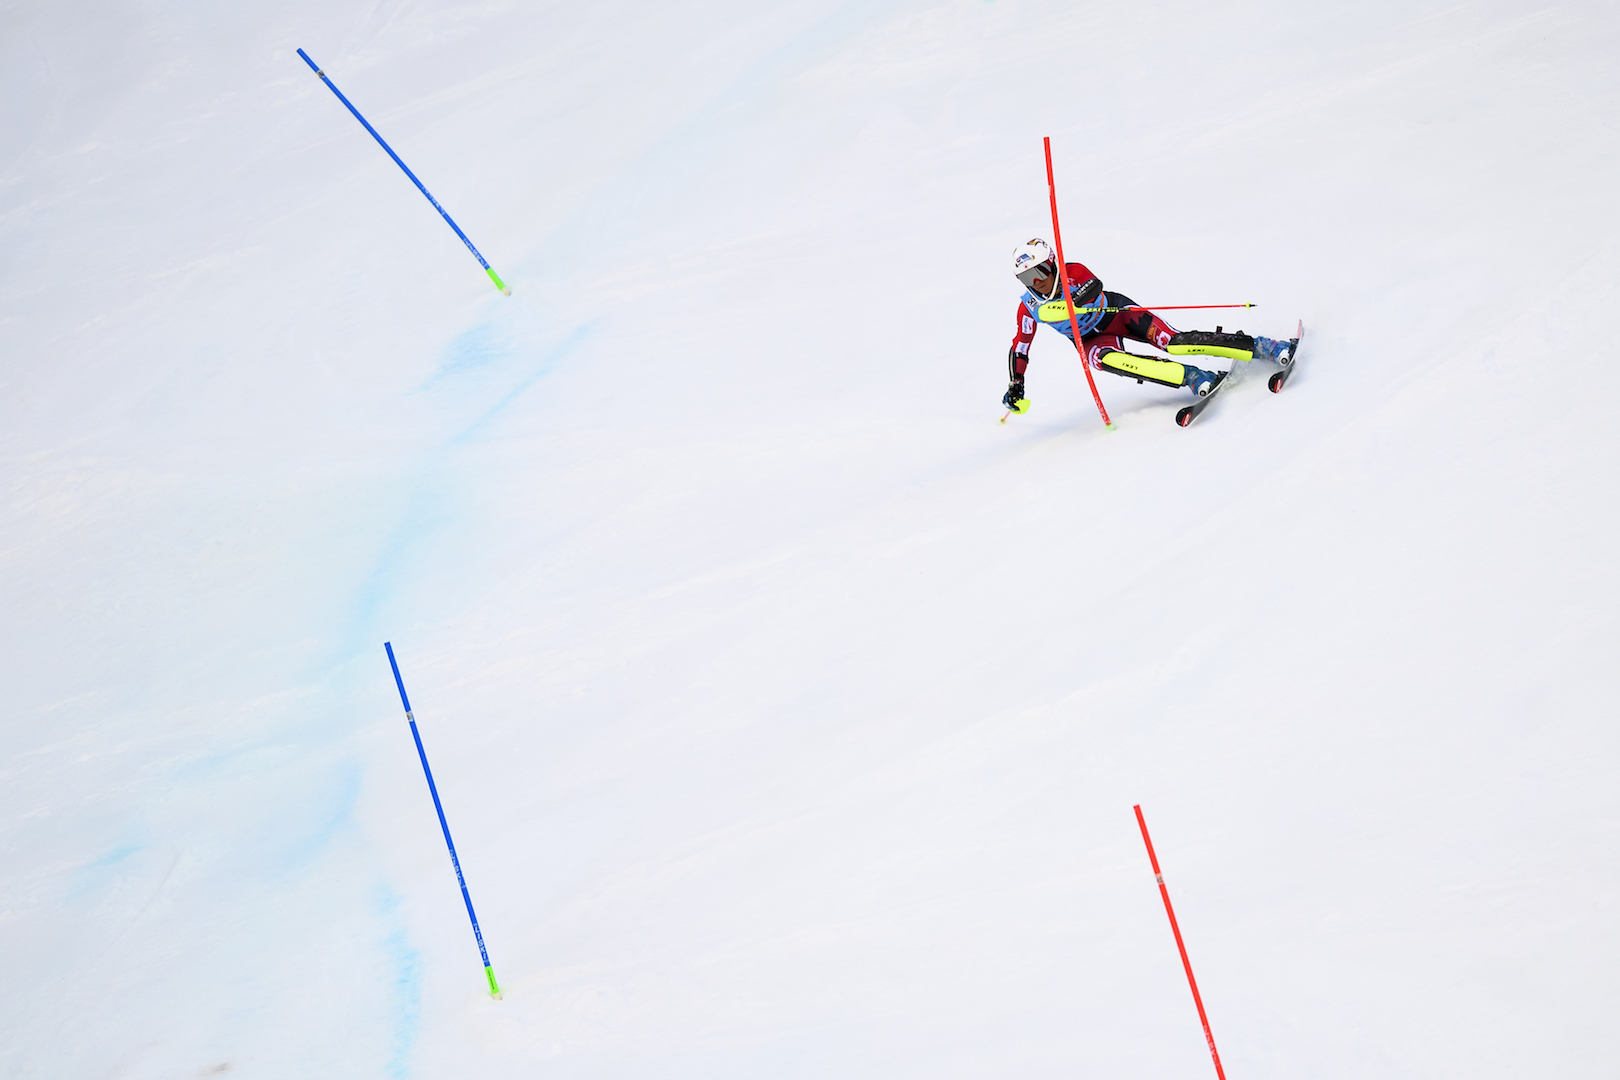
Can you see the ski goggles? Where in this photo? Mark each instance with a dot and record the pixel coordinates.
(1028, 277)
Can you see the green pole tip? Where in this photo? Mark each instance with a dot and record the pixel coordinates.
(494, 988)
(496, 278)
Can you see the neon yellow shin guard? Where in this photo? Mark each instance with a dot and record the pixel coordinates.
(1233, 346)
(1144, 368)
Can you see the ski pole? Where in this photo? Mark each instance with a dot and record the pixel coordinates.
(1056, 311)
(1176, 930)
(489, 972)
(493, 276)
(1063, 276)
(1177, 307)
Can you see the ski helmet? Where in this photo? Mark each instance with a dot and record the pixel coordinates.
(1032, 260)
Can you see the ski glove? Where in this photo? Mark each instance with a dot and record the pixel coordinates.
(1015, 395)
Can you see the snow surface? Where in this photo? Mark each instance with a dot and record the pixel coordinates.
(787, 709)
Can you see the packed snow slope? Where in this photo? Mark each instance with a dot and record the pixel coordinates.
(787, 709)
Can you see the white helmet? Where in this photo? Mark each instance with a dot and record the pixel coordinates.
(1034, 259)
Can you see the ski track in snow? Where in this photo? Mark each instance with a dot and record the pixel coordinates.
(787, 709)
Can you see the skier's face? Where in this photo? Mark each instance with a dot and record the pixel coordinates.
(1040, 279)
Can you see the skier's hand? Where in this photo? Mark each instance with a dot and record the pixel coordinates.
(1014, 397)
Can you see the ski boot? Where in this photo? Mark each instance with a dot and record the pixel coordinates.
(1199, 381)
(1279, 352)
(1284, 354)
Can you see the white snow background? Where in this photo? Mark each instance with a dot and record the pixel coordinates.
(787, 709)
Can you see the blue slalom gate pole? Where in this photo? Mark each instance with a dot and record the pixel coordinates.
(489, 972)
(493, 276)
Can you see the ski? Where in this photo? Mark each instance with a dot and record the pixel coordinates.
(1190, 413)
(1278, 379)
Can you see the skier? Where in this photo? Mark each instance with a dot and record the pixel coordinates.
(1106, 319)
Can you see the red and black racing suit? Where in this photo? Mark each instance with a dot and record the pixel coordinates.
(1100, 329)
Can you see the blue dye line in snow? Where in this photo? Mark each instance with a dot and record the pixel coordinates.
(116, 856)
(332, 802)
(405, 982)
(99, 872)
(427, 508)
(424, 512)
(407, 993)
(547, 362)
(470, 350)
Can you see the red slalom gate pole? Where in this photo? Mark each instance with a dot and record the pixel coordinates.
(1063, 276)
(1174, 929)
